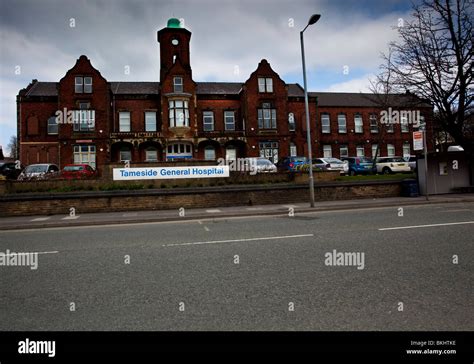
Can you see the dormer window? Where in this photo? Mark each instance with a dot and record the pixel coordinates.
(265, 84)
(178, 84)
(83, 85)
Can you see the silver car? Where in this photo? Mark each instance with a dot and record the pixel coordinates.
(331, 164)
(39, 171)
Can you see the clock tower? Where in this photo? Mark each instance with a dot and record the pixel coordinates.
(174, 47)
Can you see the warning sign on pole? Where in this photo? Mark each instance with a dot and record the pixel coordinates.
(417, 140)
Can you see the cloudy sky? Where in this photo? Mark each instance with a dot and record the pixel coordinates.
(342, 49)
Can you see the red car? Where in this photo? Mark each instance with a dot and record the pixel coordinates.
(78, 171)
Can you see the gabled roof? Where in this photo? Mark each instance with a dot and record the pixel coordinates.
(218, 88)
(135, 88)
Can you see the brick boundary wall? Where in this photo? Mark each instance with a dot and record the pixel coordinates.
(97, 201)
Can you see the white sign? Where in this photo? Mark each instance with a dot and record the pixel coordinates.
(417, 140)
(129, 174)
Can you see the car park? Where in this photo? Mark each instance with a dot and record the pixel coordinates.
(291, 164)
(387, 165)
(78, 171)
(39, 171)
(331, 164)
(359, 165)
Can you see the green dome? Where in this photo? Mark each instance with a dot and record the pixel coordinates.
(174, 23)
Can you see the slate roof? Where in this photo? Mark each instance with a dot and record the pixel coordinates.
(325, 99)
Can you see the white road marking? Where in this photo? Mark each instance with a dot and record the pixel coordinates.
(242, 240)
(70, 217)
(254, 208)
(130, 214)
(289, 206)
(41, 219)
(206, 228)
(213, 211)
(199, 222)
(458, 210)
(430, 225)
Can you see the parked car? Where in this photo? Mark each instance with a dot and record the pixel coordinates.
(9, 170)
(291, 164)
(78, 171)
(39, 171)
(360, 165)
(411, 160)
(388, 165)
(265, 166)
(331, 164)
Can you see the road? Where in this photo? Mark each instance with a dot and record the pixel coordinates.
(254, 273)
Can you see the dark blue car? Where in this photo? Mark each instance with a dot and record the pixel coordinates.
(360, 165)
(291, 164)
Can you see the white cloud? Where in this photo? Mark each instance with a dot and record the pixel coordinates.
(361, 84)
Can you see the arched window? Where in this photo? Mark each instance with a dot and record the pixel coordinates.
(209, 153)
(151, 154)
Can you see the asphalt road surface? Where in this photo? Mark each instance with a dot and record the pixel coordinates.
(257, 273)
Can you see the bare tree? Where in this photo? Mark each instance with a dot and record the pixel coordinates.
(434, 60)
(13, 147)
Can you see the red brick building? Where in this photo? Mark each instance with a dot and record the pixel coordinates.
(103, 122)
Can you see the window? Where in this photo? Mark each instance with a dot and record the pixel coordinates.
(124, 121)
(358, 123)
(389, 126)
(229, 120)
(265, 84)
(84, 120)
(209, 153)
(151, 154)
(266, 117)
(125, 154)
(291, 122)
(269, 150)
(293, 150)
(374, 128)
(179, 151)
(178, 113)
(325, 123)
(83, 85)
(406, 150)
(327, 151)
(230, 153)
(360, 151)
(404, 123)
(84, 154)
(375, 152)
(52, 126)
(208, 120)
(178, 84)
(341, 122)
(150, 121)
(390, 150)
(343, 151)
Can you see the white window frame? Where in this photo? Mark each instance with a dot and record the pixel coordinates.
(327, 151)
(152, 122)
(208, 120)
(229, 120)
(374, 128)
(178, 87)
(325, 123)
(293, 150)
(209, 153)
(360, 151)
(179, 115)
(125, 121)
(341, 127)
(358, 124)
(265, 84)
(88, 156)
(391, 147)
(405, 147)
(341, 148)
(53, 126)
(151, 151)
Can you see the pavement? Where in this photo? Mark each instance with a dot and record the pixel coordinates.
(85, 219)
(410, 268)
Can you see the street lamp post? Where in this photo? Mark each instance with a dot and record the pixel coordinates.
(314, 18)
